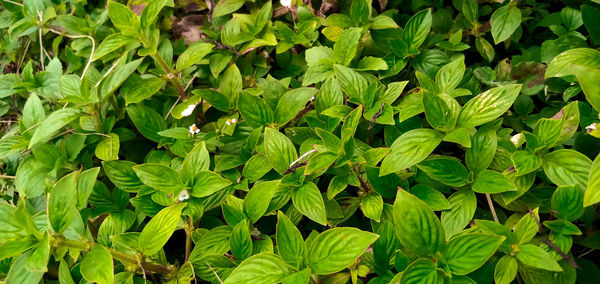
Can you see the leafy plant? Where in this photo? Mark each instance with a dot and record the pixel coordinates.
(342, 141)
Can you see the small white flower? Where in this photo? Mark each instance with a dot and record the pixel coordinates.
(184, 195)
(194, 129)
(516, 139)
(286, 3)
(227, 122)
(230, 121)
(591, 127)
(233, 120)
(189, 110)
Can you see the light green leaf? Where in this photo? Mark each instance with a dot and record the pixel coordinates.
(54, 122)
(123, 18)
(205, 183)
(488, 181)
(488, 105)
(417, 227)
(193, 54)
(567, 167)
(61, 203)
(225, 7)
(159, 177)
(346, 46)
(108, 147)
(291, 103)
(160, 228)
(290, 244)
(279, 150)
(506, 270)
(417, 28)
(505, 22)
(463, 204)
(307, 200)
(421, 271)
(592, 193)
(409, 149)
(334, 249)
(122, 175)
(257, 200)
(445, 170)
(97, 266)
(468, 252)
(240, 241)
(537, 257)
(262, 268)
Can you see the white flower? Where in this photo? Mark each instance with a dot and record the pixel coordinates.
(516, 139)
(189, 110)
(286, 3)
(591, 127)
(184, 195)
(231, 121)
(194, 129)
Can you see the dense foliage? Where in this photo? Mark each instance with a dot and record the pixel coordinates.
(343, 141)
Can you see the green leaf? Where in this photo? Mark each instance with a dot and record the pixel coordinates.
(450, 75)
(488, 105)
(230, 83)
(417, 227)
(159, 177)
(505, 22)
(61, 203)
(147, 121)
(563, 63)
(205, 183)
(445, 170)
(485, 48)
(463, 204)
(108, 147)
(591, 21)
(417, 28)
(525, 162)
(592, 193)
(33, 111)
(488, 181)
(506, 270)
(441, 111)
(225, 7)
(261, 268)
(122, 175)
(240, 241)
(346, 46)
(371, 63)
(307, 200)
(537, 257)
(334, 249)
(193, 54)
(409, 149)
(256, 167)
(567, 167)
(372, 206)
(136, 89)
(54, 122)
(123, 18)
(351, 82)
(290, 244)
(587, 80)
(118, 76)
(291, 103)
(30, 178)
(422, 271)
(19, 273)
(568, 201)
(483, 148)
(255, 110)
(150, 13)
(160, 228)
(433, 198)
(195, 161)
(468, 252)
(38, 260)
(279, 150)
(97, 266)
(111, 43)
(257, 200)
(360, 10)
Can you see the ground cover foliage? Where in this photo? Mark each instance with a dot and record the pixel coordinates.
(340, 141)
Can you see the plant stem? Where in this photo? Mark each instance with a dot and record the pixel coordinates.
(188, 238)
(564, 255)
(165, 270)
(491, 204)
(172, 77)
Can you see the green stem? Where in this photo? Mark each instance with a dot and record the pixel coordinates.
(165, 270)
(171, 75)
